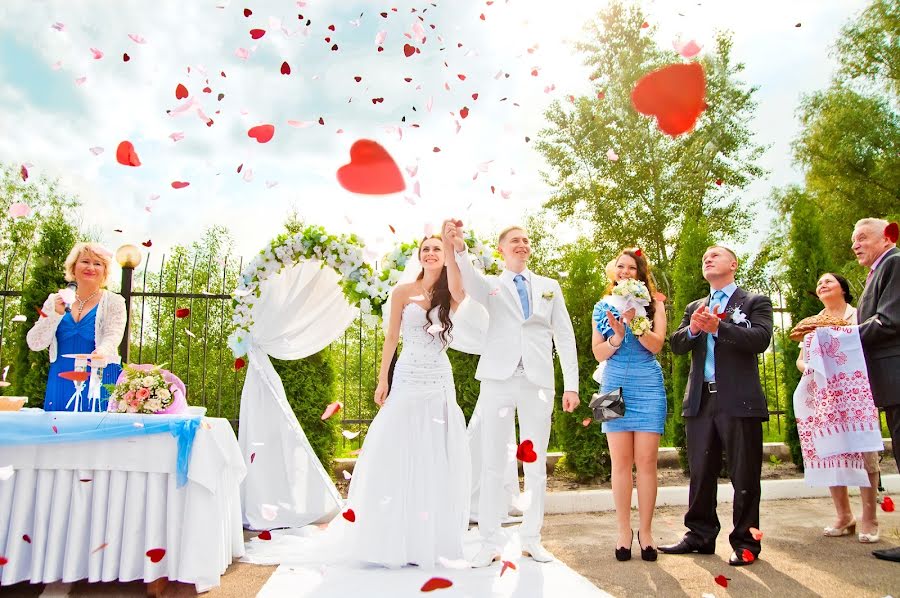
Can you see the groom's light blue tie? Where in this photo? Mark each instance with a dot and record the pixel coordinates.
(709, 366)
(523, 294)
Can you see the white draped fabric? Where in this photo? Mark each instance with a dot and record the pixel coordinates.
(92, 510)
(300, 311)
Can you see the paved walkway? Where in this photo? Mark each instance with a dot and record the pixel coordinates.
(796, 560)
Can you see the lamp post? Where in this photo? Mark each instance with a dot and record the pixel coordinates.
(129, 257)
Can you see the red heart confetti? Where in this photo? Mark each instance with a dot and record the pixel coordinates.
(349, 515)
(99, 548)
(463, 112)
(357, 79)
(507, 565)
(126, 156)
(757, 535)
(265, 535)
(331, 409)
(27, 538)
(75, 376)
(252, 457)
(156, 554)
(722, 580)
(181, 92)
(887, 504)
(179, 184)
(239, 363)
(371, 171)
(182, 312)
(285, 68)
(147, 243)
(262, 133)
(747, 556)
(257, 33)
(408, 50)
(719, 182)
(436, 583)
(85, 480)
(673, 94)
(638, 252)
(644, 25)
(525, 452)
(55, 429)
(3, 560)
(892, 232)
(126, 57)
(247, 12)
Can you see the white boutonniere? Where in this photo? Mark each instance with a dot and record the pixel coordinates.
(739, 317)
(548, 295)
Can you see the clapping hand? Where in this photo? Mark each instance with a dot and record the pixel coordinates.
(618, 327)
(704, 320)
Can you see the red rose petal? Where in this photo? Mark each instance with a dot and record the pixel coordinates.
(182, 312)
(207, 90)
(265, 535)
(357, 79)
(55, 429)
(156, 554)
(247, 12)
(436, 583)
(644, 25)
(463, 112)
(887, 504)
(257, 33)
(147, 243)
(239, 363)
(722, 580)
(99, 548)
(747, 556)
(757, 535)
(27, 538)
(126, 57)
(474, 96)
(719, 182)
(181, 92)
(349, 515)
(285, 68)
(75, 376)
(331, 409)
(252, 457)
(507, 565)
(3, 560)
(371, 171)
(892, 232)
(461, 77)
(408, 50)
(262, 133)
(179, 185)
(673, 94)
(126, 156)
(525, 453)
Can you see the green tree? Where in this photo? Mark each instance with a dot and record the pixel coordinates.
(868, 49)
(806, 262)
(644, 197)
(689, 285)
(29, 369)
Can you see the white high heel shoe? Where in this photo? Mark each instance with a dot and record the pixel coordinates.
(846, 530)
(872, 538)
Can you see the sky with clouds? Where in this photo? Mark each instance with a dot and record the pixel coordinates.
(64, 112)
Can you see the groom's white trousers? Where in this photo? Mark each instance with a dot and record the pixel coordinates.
(534, 405)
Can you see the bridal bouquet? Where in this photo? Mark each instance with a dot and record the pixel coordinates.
(142, 389)
(631, 293)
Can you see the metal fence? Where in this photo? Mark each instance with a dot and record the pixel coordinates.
(180, 315)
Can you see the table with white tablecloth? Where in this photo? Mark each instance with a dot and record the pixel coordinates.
(106, 510)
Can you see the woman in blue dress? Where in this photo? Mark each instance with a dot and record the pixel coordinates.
(93, 324)
(631, 363)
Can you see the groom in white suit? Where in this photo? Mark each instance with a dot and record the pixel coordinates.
(528, 317)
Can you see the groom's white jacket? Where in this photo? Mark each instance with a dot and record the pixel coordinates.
(510, 337)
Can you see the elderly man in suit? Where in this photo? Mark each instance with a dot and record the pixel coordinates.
(724, 406)
(878, 312)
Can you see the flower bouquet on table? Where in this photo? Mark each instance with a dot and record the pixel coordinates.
(147, 389)
(630, 293)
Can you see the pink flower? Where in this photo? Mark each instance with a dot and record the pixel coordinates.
(129, 395)
(143, 393)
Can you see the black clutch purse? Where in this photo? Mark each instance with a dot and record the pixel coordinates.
(608, 405)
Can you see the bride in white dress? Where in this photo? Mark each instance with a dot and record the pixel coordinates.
(409, 494)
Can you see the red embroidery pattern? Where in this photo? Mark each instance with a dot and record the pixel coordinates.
(845, 404)
(811, 460)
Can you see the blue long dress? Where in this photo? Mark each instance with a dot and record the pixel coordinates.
(642, 387)
(75, 337)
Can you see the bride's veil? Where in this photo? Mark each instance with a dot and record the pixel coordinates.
(470, 320)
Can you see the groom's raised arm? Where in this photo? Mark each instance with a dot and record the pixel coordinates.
(476, 285)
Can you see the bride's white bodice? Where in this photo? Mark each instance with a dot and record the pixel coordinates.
(423, 352)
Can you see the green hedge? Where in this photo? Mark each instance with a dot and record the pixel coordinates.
(467, 387)
(310, 385)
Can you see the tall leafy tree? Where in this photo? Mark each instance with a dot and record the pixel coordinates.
(643, 197)
(868, 49)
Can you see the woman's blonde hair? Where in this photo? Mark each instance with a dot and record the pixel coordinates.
(92, 249)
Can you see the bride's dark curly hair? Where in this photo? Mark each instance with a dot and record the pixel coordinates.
(440, 298)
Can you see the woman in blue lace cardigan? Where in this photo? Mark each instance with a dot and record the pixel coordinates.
(630, 362)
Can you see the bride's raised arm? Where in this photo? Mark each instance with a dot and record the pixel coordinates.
(454, 277)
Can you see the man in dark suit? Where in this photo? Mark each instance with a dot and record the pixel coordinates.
(724, 405)
(878, 313)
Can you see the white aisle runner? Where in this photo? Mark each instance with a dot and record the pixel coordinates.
(528, 580)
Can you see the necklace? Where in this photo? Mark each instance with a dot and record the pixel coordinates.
(81, 302)
(429, 293)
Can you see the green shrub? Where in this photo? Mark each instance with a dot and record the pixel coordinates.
(310, 385)
(467, 387)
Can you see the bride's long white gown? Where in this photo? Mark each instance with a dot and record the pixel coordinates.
(409, 493)
(410, 487)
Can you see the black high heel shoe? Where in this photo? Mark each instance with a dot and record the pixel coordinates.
(649, 553)
(624, 553)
